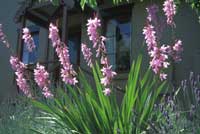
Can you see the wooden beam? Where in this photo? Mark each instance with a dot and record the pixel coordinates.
(56, 14)
(38, 15)
(40, 5)
(37, 20)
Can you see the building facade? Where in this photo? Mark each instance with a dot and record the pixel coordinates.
(121, 24)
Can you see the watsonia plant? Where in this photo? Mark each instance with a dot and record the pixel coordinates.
(86, 109)
(81, 108)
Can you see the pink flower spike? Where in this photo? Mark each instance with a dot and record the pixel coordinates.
(28, 39)
(104, 61)
(107, 91)
(92, 26)
(169, 9)
(54, 34)
(19, 69)
(22, 84)
(67, 71)
(67, 77)
(108, 75)
(42, 80)
(3, 37)
(178, 46)
(107, 71)
(105, 81)
(166, 49)
(152, 13)
(87, 54)
(14, 61)
(46, 92)
(177, 49)
(163, 76)
(150, 37)
(41, 76)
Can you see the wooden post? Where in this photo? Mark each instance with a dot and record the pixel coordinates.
(65, 25)
(20, 40)
(20, 44)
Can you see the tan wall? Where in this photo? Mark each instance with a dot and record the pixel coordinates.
(187, 29)
(7, 11)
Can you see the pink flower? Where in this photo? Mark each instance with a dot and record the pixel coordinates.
(14, 61)
(22, 83)
(47, 93)
(108, 75)
(160, 55)
(28, 39)
(92, 26)
(153, 18)
(104, 61)
(107, 91)
(97, 40)
(87, 54)
(3, 37)
(101, 49)
(150, 37)
(177, 49)
(166, 49)
(178, 46)
(16, 64)
(105, 81)
(54, 34)
(158, 62)
(152, 13)
(99, 43)
(170, 10)
(63, 55)
(107, 71)
(41, 77)
(19, 69)
(163, 76)
(67, 76)
(154, 52)
(67, 72)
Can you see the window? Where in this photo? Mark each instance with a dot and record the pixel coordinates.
(73, 36)
(74, 44)
(31, 57)
(118, 33)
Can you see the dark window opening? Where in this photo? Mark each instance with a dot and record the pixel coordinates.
(74, 48)
(31, 57)
(118, 33)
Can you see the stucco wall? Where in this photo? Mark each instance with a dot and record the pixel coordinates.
(187, 29)
(7, 11)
